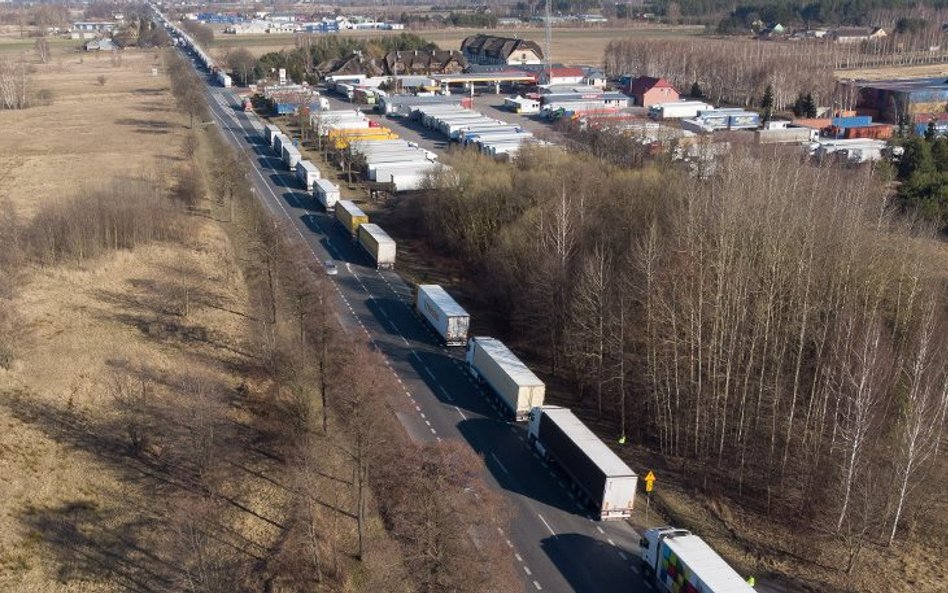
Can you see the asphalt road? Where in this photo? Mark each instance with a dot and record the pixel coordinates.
(553, 540)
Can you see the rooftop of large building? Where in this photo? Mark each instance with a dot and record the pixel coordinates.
(906, 84)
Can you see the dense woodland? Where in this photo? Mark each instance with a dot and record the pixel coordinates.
(815, 13)
(731, 71)
(776, 324)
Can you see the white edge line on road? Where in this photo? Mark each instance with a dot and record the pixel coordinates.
(547, 524)
(502, 467)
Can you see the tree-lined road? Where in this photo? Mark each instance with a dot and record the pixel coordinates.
(552, 539)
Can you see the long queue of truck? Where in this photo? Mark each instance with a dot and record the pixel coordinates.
(376, 242)
(596, 472)
(182, 39)
(673, 559)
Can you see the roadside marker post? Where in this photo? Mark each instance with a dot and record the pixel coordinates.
(649, 486)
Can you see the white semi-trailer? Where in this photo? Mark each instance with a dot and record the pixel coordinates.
(307, 173)
(607, 483)
(443, 314)
(291, 156)
(384, 172)
(678, 560)
(279, 140)
(271, 132)
(508, 378)
(378, 244)
(677, 109)
(327, 193)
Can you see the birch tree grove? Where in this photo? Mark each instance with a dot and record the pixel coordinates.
(773, 326)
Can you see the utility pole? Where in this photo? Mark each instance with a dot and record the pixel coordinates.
(549, 44)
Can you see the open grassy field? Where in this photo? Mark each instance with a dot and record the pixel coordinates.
(570, 46)
(77, 513)
(92, 133)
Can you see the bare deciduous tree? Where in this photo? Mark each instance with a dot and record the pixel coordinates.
(42, 49)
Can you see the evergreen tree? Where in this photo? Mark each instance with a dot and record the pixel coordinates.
(809, 105)
(767, 103)
(799, 107)
(930, 131)
(696, 92)
(916, 158)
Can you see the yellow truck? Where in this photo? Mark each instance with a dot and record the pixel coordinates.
(341, 140)
(350, 216)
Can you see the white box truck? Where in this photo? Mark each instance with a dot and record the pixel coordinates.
(678, 560)
(508, 378)
(327, 193)
(271, 132)
(442, 313)
(378, 244)
(280, 139)
(307, 173)
(291, 155)
(597, 473)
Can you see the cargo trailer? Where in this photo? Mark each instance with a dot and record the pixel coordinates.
(405, 156)
(307, 173)
(786, 135)
(271, 132)
(326, 193)
(403, 181)
(596, 472)
(291, 156)
(677, 560)
(378, 244)
(350, 216)
(383, 172)
(278, 141)
(508, 378)
(475, 133)
(677, 109)
(443, 314)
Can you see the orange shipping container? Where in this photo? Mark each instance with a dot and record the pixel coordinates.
(876, 132)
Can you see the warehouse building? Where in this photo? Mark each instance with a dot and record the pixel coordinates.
(490, 49)
(895, 100)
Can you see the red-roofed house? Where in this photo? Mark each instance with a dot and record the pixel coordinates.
(563, 76)
(648, 91)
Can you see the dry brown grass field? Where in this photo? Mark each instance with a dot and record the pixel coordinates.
(92, 132)
(77, 512)
(570, 46)
(83, 324)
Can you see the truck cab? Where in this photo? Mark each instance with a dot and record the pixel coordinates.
(651, 542)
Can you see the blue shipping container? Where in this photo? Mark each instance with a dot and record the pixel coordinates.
(856, 121)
